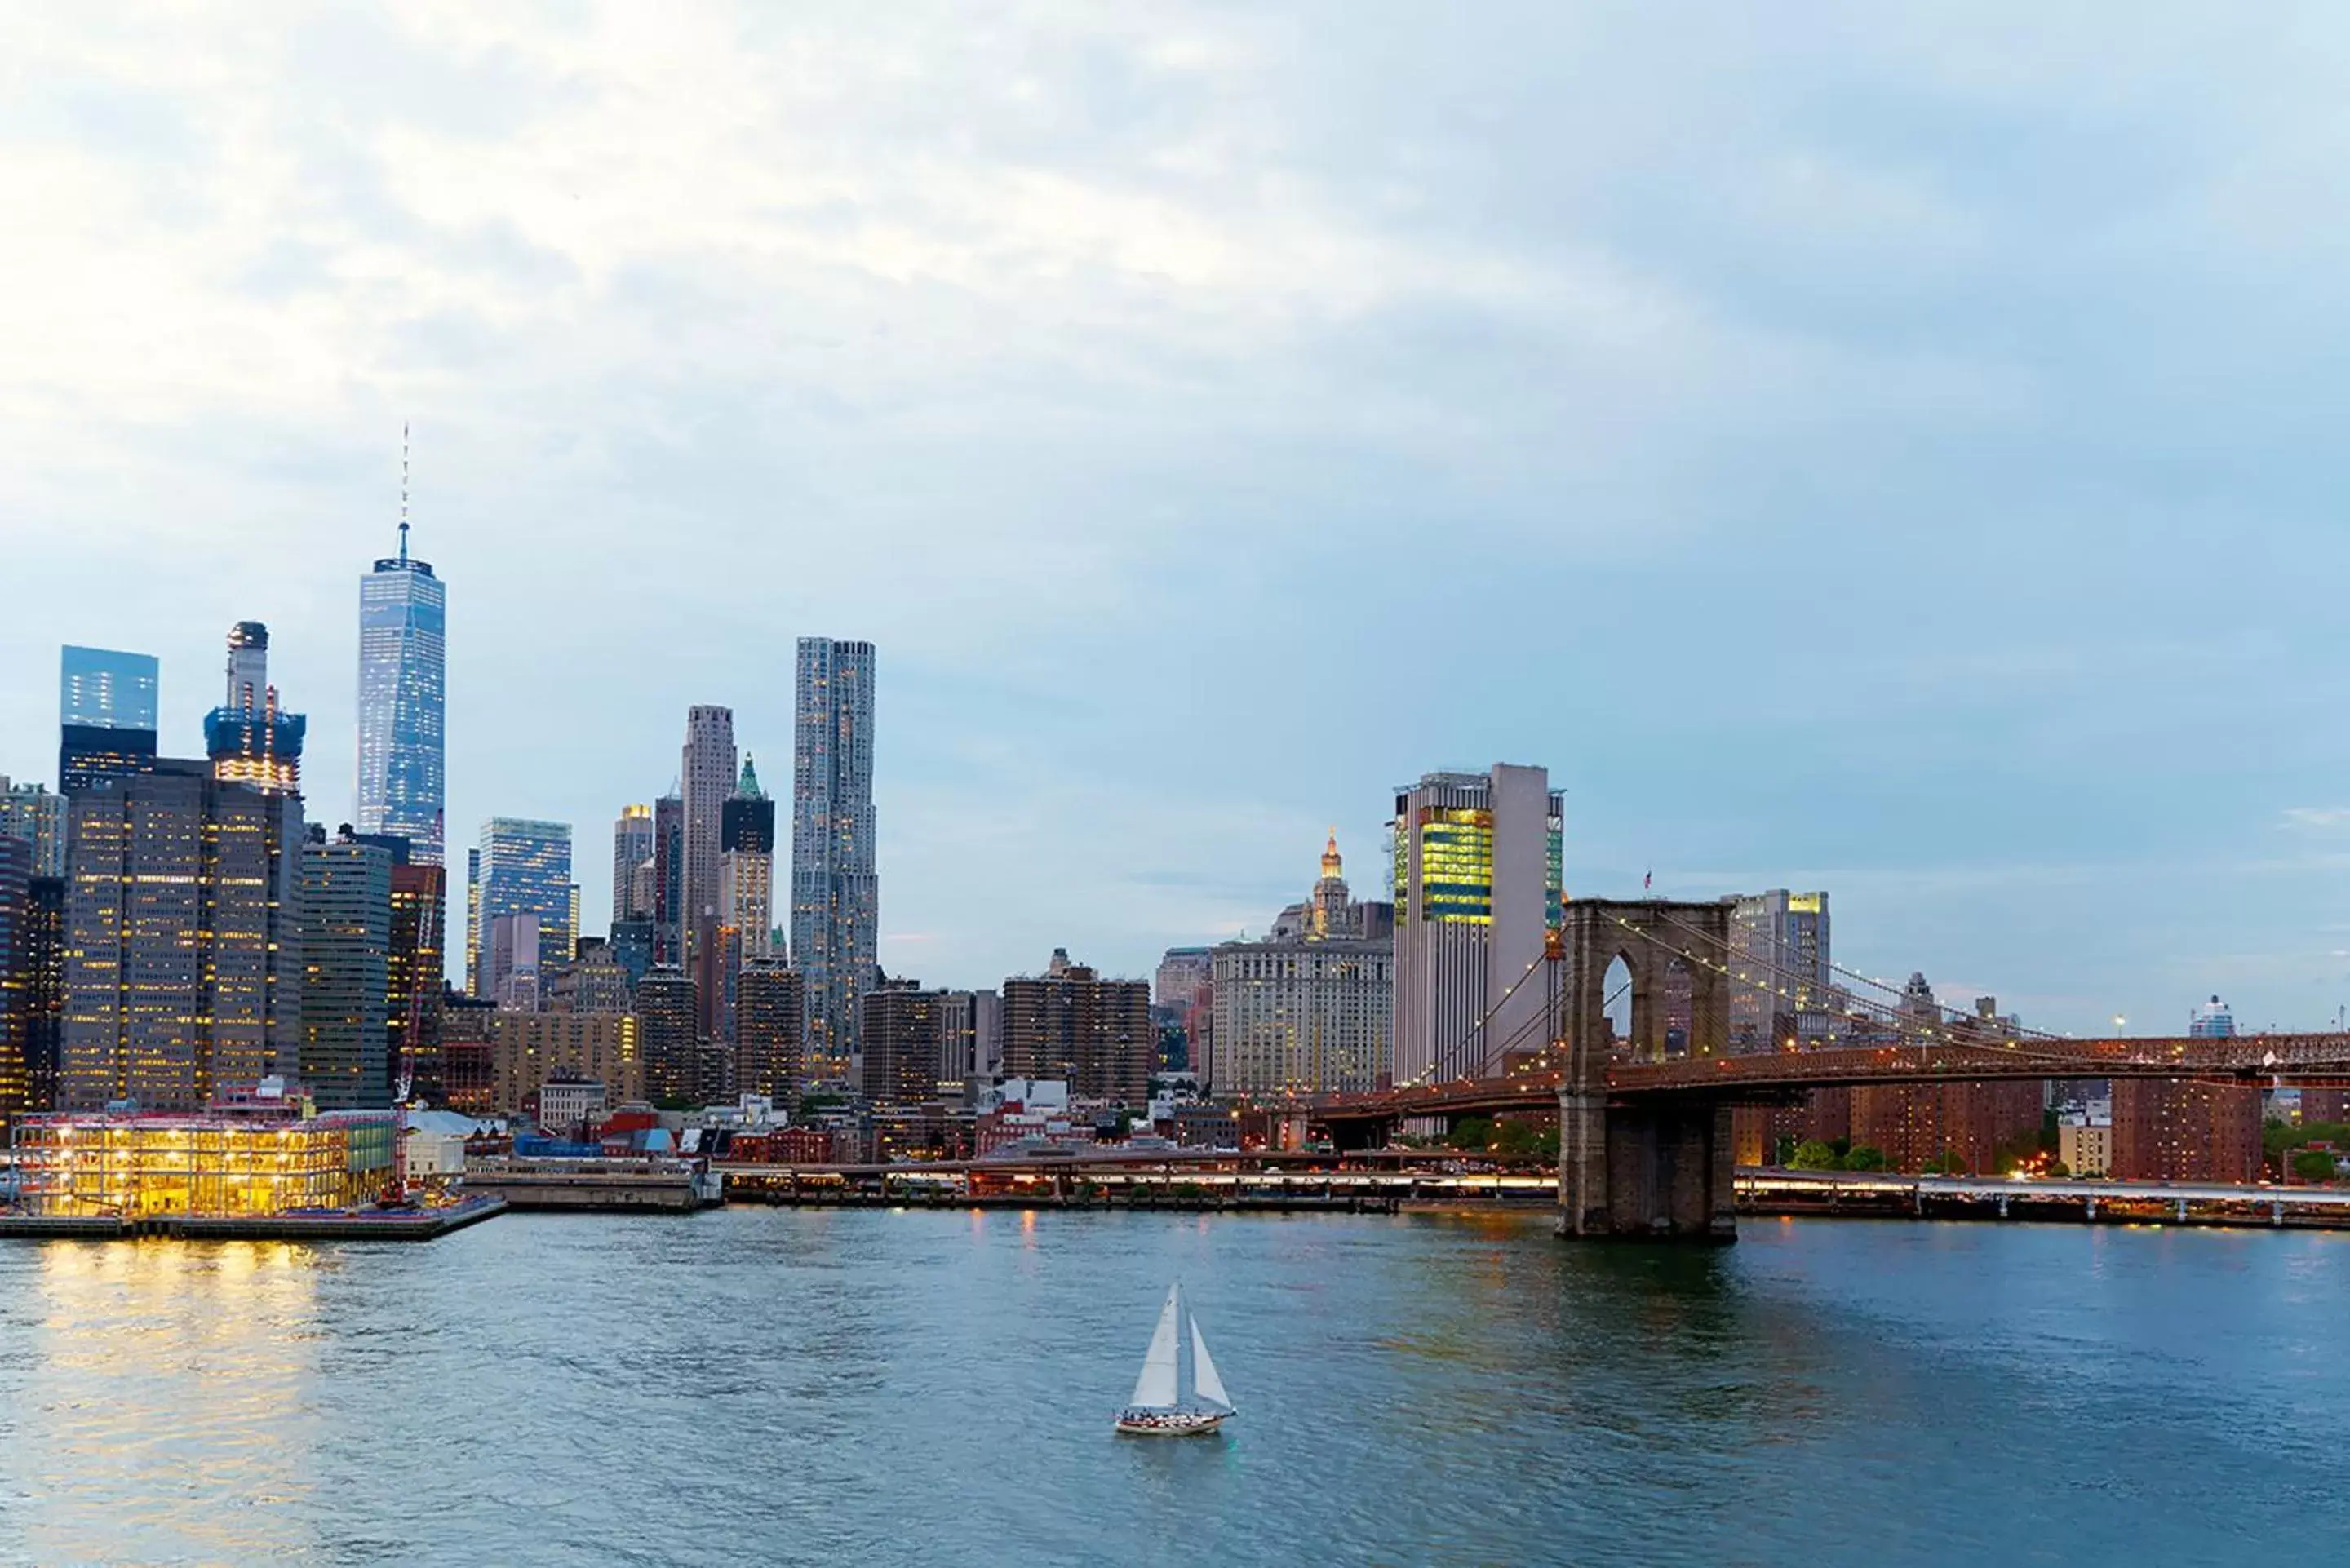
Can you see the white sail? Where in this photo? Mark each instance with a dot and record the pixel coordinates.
(1203, 1371)
(1155, 1389)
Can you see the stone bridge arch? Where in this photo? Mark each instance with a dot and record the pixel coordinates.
(1652, 937)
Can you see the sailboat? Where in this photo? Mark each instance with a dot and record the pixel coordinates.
(1158, 1409)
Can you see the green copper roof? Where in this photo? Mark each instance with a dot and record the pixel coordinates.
(749, 787)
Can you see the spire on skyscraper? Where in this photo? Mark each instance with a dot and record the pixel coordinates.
(403, 492)
(747, 787)
(1330, 863)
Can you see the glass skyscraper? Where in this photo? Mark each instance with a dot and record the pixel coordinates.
(106, 712)
(835, 893)
(523, 868)
(403, 617)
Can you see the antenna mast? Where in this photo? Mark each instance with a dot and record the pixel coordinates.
(403, 492)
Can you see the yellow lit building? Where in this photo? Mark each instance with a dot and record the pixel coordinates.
(220, 1162)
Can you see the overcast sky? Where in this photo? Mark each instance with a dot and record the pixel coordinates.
(1888, 448)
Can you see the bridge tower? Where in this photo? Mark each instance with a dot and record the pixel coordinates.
(1662, 1167)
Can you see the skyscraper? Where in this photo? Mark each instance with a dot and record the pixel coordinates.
(106, 712)
(16, 972)
(900, 1059)
(248, 737)
(835, 893)
(770, 1017)
(183, 968)
(345, 972)
(1780, 979)
(403, 622)
(706, 780)
(632, 845)
(669, 880)
(412, 992)
(524, 868)
(29, 812)
(746, 865)
(1477, 886)
(666, 1007)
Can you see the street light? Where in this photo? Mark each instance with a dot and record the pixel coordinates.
(2120, 1023)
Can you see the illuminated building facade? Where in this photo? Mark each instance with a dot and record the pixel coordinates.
(835, 890)
(402, 701)
(971, 1037)
(666, 1003)
(901, 1036)
(184, 965)
(746, 865)
(770, 1015)
(412, 972)
(526, 1049)
(29, 812)
(706, 778)
(106, 710)
(256, 1158)
(463, 1078)
(669, 880)
(16, 972)
(1071, 1024)
(1478, 885)
(248, 737)
(632, 847)
(523, 868)
(1782, 988)
(2178, 1129)
(1302, 1016)
(346, 916)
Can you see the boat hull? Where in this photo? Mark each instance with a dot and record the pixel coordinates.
(1170, 1423)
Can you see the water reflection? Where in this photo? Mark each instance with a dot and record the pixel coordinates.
(168, 1389)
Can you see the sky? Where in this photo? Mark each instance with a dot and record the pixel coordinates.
(1890, 450)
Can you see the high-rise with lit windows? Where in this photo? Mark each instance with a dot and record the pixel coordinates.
(29, 812)
(402, 700)
(836, 892)
(183, 954)
(1782, 989)
(632, 848)
(1478, 885)
(706, 781)
(249, 738)
(521, 867)
(345, 972)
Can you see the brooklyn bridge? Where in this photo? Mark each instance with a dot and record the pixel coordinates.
(1644, 1117)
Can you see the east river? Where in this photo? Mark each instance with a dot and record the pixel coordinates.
(759, 1385)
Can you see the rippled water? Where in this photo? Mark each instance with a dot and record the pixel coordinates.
(759, 1385)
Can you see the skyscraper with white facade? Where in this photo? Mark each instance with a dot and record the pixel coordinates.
(836, 892)
(1478, 880)
(403, 621)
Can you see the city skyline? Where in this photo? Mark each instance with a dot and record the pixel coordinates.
(1212, 408)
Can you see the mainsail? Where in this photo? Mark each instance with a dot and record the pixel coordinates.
(1155, 1389)
(1203, 1371)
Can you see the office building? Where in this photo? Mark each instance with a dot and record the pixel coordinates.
(413, 973)
(1782, 988)
(706, 780)
(106, 710)
(346, 922)
(514, 958)
(836, 892)
(667, 1006)
(971, 1035)
(901, 1057)
(1071, 1024)
(527, 1049)
(770, 1012)
(523, 868)
(669, 880)
(16, 972)
(464, 1078)
(249, 738)
(40, 977)
(1185, 991)
(746, 865)
(592, 982)
(2085, 1149)
(632, 847)
(402, 700)
(1478, 878)
(29, 812)
(1302, 1016)
(183, 967)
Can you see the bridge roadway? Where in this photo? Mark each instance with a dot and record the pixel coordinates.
(2301, 1058)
